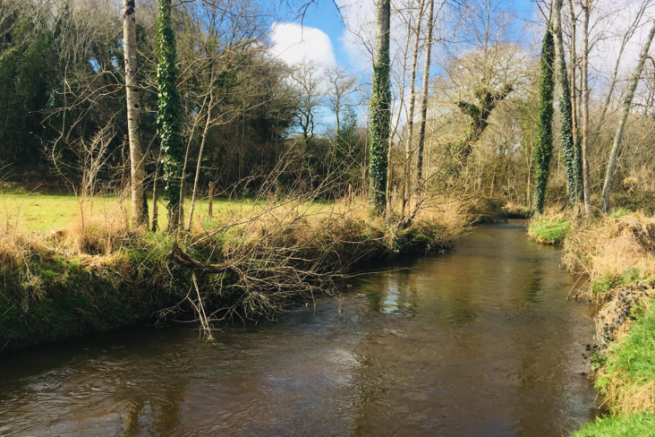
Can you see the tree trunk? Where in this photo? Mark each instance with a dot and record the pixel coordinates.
(137, 158)
(155, 206)
(379, 108)
(169, 115)
(574, 105)
(199, 165)
(410, 115)
(634, 81)
(566, 116)
(424, 96)
(543, 150)
(584, 73)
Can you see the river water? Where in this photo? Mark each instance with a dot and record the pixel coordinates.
(477, 342)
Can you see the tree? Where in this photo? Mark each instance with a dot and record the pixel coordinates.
(379, 108)
(543, 149)
(584, 72)
(424, 98)
(169, 114)
(137, 158)
(566, 116)
(412, 101)
(634, 81)
(340, 86)
(307, 84)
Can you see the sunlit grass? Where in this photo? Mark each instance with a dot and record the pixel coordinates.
(548, 230)
(637, 425)
(43, 212)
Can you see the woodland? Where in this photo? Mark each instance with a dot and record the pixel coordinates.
(200, 177)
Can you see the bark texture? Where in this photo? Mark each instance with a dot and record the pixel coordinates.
(424, 98)
(379, 109)
(137, 161)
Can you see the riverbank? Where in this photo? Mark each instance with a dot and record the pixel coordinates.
(439, 345)
(97, 273)
(616, 254)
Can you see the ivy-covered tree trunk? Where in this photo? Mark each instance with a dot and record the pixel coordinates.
(379, 109)
(565, 109)
(137, 161)
(543, 149)
(169, 115)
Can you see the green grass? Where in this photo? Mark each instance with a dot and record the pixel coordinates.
(548, 230)
(50, 211)
(608, 281)
(633, 358)
(636, 425)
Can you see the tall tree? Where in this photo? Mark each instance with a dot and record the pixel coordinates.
(379, 108)
(566, 115)
(169, 115)
(412, 101)
(614, 153)
(137, 164)
(543, 150)
(424, 96)
(584, 78)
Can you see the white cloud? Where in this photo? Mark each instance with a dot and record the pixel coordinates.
(294, 44)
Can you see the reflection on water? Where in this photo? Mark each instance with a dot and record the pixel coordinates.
(478, 342)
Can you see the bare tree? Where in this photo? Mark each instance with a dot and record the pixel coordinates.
(412, 101)
(634, 81)
(307, 83)
(584, 73)
(340, 87)
(424, 97)
(137, 157)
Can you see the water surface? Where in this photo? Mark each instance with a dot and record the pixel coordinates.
(478, 342)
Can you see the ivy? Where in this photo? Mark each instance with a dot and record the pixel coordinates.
(169, 114)
(579, 183)
(566, 134)
(380, 126)
(543, 149)
(457, 153)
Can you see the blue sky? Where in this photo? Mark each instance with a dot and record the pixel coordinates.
(323, 15)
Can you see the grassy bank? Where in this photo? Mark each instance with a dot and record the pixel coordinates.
(96, 273)
(616, 252)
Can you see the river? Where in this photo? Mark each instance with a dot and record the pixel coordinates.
(480, 341)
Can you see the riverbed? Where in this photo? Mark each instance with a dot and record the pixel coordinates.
(480, 341)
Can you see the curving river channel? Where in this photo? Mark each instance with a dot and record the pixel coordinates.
(478, 342)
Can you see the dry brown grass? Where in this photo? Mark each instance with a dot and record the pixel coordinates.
(611, 245)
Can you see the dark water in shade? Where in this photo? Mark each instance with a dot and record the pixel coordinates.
(477, 342)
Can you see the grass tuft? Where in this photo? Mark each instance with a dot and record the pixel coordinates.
(549, 229)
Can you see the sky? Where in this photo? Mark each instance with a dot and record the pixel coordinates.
(324, 36)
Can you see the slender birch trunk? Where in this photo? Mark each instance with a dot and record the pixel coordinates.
(137, 157)
(412, 102)
(424, 96)
(584, 73)
(634, 81)
(199, 165)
